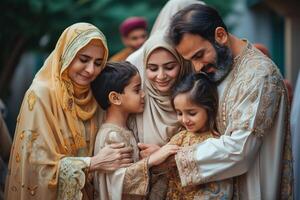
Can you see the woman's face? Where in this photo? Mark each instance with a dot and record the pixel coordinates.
(87, 63)
(162, 69)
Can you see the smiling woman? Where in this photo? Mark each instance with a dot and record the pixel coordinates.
(87, 63)
(59, 118)
(163, 67)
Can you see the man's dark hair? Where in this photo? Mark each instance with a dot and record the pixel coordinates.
(202, 92)
(114, 77)
(195, 19)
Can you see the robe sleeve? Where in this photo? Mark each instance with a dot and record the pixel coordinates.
(71, 178)
(253, 111)
(132, 180)
(136, 180)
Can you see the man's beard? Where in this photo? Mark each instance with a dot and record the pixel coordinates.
(223, 63)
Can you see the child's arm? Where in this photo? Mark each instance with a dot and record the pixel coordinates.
(170, 161)
(162, 154)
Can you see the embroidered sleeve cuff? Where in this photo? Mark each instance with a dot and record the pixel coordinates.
(187, 166)
(72, 177)
(136, 179)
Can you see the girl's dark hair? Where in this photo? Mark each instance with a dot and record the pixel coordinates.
(195, 19)
(114, 77)
(202, 92)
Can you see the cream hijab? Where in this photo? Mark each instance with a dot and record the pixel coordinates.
(53, 122)
(159, 123)
(161, 25)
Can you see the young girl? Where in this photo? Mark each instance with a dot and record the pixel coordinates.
(195, 101)
(118, 91)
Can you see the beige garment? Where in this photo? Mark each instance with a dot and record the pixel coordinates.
(253, 119)
(158, 123)
(55, 128)
(124, 183)
(161, 25)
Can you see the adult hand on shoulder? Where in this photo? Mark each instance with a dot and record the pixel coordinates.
(112, 157)
(147, 149)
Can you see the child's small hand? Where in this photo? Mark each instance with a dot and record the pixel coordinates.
(162, 154)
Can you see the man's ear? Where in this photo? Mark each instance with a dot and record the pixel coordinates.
(114, 98)
(221, 36)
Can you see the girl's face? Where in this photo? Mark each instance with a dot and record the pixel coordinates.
(86, 65)
(162, 69)
(192, 116)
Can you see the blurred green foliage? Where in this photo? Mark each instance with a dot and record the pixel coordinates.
(25, 22)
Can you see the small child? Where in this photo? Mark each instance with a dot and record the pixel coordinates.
(118, 91)
(195, 101)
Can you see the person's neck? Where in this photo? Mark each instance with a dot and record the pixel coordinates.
(236, 45)
(116, 116)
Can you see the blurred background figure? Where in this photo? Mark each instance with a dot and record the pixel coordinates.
(5, 145)
(295, 132)
(134, 33)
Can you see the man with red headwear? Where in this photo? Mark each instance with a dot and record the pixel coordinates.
(134, 33)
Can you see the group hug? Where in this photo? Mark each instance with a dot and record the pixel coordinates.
(194, 113)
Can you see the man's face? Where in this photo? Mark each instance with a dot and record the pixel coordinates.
(214, 59)
(135, 39)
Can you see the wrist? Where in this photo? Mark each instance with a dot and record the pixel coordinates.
(93, 164)
(151, 161)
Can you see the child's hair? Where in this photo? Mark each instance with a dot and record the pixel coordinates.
(114, 77)
(202, 92)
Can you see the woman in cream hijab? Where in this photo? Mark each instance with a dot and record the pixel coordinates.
(58, 121)
(161, 25)
(163, 67)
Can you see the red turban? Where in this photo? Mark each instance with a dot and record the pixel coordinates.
(132, 23)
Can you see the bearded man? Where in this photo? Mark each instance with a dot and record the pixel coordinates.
(253, 114)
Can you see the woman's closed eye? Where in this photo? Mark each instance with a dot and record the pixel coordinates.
(152, 68)
(171, 66)
(83, 59)
(98, 63)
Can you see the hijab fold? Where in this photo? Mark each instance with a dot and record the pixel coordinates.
(159, 122)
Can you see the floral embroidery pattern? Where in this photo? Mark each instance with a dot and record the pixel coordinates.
(190, 175)
(136, 179)
(31, 99)
(71, 178)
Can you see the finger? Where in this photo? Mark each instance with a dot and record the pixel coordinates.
(126, 150)
(143, 154)
(117, 145)
(143, 146)
(126, 161)
(173, 152)
(126, 155)
(125, 165)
